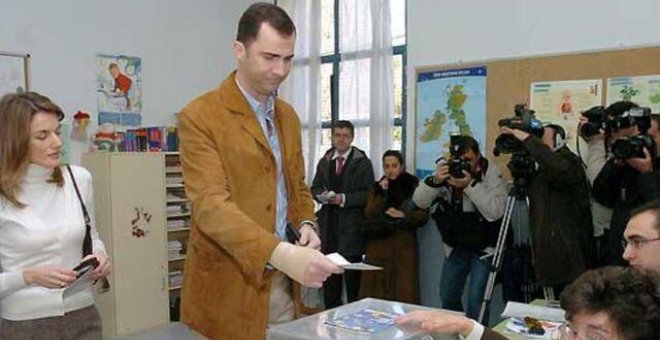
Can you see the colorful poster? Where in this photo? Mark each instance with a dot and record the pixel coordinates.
(13, 73)
(561, 102)
(643, 90)
(119, 89)
(448, 101)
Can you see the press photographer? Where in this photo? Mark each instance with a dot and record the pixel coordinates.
(631, 177)
(559, 203)
(470, 195)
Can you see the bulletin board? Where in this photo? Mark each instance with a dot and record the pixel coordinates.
(508, 81)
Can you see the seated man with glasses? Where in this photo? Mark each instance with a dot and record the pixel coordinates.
(609, 303)
(612, 303)
(641, 239)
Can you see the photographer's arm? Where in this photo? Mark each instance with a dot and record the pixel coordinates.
(559, 170)
(489, 195)
(607, 183)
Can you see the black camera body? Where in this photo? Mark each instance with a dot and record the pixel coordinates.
(523, 120)
(456, 164)
(633, 147)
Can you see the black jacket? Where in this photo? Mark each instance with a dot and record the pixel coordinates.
(340, 226)
(560, 214)
(623, 188)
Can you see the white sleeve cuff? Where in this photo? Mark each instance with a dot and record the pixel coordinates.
(343, 200)
(477, 332)
(11, 281)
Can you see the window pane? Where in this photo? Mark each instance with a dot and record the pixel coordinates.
(361, 139)
(326, 99)
(354, 88)
(327, 27)
(326, 144)
(397, 135)
(354, 25)
(398, 22)
(397, 78)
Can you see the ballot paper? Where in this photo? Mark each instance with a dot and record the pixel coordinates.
(342, 262)
(521, 310)
(325, 196)
(80, 284)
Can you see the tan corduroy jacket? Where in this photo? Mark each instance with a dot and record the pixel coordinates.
(230, 177)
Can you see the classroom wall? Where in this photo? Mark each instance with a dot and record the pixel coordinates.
(454, 31)
(185, 48)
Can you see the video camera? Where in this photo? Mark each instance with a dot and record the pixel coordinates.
(633, 147)
(456, 163)
(523, 120)
(597, 120)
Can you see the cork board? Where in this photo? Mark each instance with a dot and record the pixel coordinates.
(508, 81)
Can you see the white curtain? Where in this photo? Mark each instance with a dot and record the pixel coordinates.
(365, 79)
(302, 89)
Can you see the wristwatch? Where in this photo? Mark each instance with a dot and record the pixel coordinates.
(312, 224)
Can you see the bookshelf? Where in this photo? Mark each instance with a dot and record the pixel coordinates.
(150, 184)
(177, 226)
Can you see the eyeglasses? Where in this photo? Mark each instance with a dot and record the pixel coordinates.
(637, 243)
(565, 332)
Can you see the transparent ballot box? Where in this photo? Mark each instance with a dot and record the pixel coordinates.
(365, 319)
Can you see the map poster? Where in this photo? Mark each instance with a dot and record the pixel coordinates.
(448, 101)
(561, 102)
(643, 90)
(119, 89)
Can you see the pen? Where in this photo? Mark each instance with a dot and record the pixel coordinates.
(293, 234)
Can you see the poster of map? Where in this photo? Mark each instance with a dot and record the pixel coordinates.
(13, 73)
(561, 102)
(643, 90)
(448, 101)
(119, 89)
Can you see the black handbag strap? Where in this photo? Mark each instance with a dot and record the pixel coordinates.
(87, 241)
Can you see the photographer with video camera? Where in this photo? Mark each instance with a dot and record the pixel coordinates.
(470, 194)
(561, 228)
(592, 126)
(632, 176)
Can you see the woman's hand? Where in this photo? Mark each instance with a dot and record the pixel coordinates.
(436, 321)
(53, 277)
(395, 213)
(103, 269)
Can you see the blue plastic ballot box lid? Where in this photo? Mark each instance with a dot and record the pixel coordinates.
(365, 319)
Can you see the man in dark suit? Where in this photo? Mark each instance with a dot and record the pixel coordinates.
(341, 184)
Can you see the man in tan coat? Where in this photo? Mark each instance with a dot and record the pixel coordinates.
(243, 170)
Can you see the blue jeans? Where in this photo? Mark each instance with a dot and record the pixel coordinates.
(455, 271)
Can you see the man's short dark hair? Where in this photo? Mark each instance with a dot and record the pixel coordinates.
(466, 143)
(618, 108)
(343, 124)
(652, 207)
(258, 13)
(630, 298)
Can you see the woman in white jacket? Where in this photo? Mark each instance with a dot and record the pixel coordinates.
(45, 230)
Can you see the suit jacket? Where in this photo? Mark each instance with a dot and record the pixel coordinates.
(340, 226)
(231, 177)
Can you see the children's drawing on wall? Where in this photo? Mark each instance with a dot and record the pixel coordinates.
(119, 89)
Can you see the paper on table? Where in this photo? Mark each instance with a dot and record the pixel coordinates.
(521, 310)
(342, 262)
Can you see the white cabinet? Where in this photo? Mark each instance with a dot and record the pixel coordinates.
(131, 216)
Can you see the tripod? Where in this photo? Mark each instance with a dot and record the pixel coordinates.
(516, 197)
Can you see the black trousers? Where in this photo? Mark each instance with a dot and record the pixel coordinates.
(333, 286)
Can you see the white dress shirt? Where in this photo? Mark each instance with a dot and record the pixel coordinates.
(48, 231)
